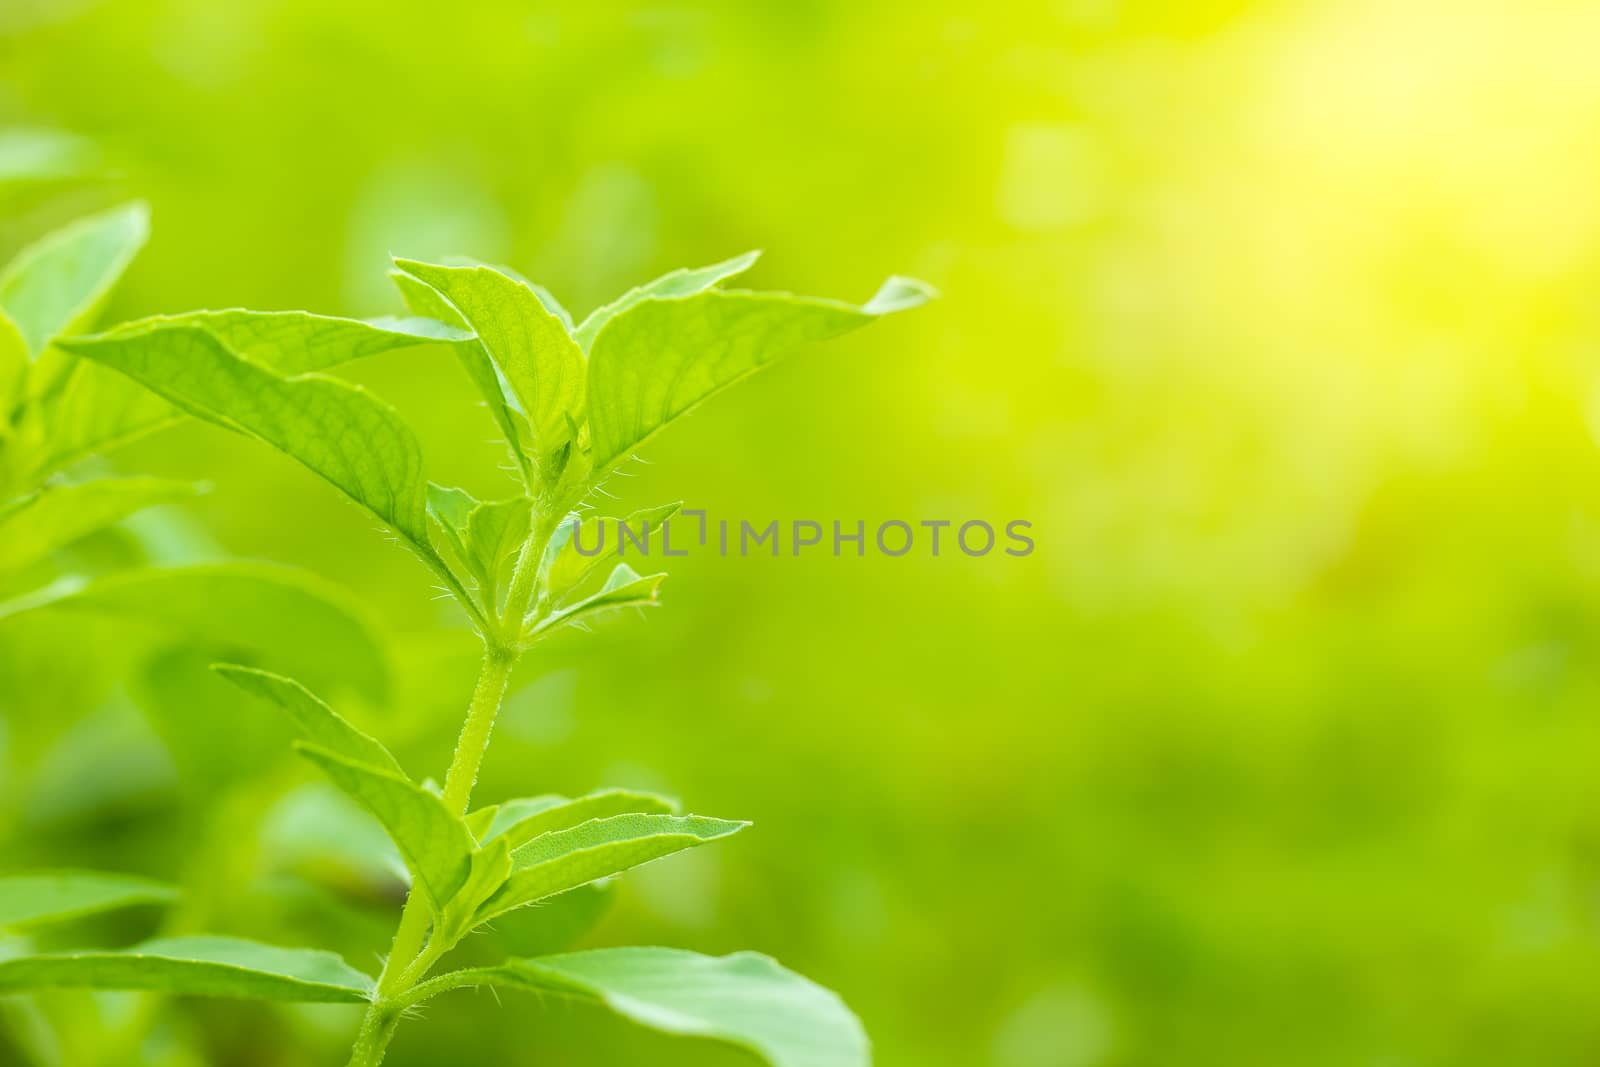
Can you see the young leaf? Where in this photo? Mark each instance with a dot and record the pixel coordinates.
(316, 723)
(520, 821)
(435, 843)
(58, 283)
(197, 966)
(745, 1000)
(423, 299)
(679, 283)
(659, 358)
(482, 535)
(57, 515)
(579, 546)
(565, 859)
(491, 865)
(338, 430)
(623, 589)
(37, 897)
(529, 344)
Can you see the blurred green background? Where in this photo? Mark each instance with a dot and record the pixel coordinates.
(1277, 320)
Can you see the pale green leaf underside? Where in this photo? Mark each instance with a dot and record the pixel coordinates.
(434, 842)
(57, 515)
(58, 283)
(520, 821)
(197, 966)
(528, 342)
(746, 1000)
(686, 281)
(316, 723)
(37, 897)
(565, 859)
(336, 429)
(579, 546)
(660, 358)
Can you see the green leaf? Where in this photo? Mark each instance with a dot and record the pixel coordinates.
(40, 155)
(336, 429)
(580, 545)
(657, 359)
(423, 299)
(436, 844)
(58, 283)
(623, 589)
(685, 281)
(746, 1000)
(491, 865)
(565, 859)
(57, 515)
(238, 611)
(13, 368)
(520, 821)
(98, 409)
(530, 344)
(316, 723)
(483, 536)
(197, 966)
(37, 897)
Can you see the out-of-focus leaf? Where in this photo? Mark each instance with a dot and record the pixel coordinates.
(580, 545)
(435, 843)
(316, 723)
(197, 966)
(623, 589)
(530, 344)
(336, 429)
(58, 283)
(28, 156)
(657, 359)
(746, 999)
(321, 834)
(686, 281)
(565, 859)
(423, 299)
(55, 516)
(13, 368)
(520, 821)
(237, 611)
(37, 897)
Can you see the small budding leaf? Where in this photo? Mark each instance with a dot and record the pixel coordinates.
(657, 359)
(528, 343)
(435, 843)
(57, 515)
(580, 545)
(520, 821)
(197, 966)
(745, 1000)
(482, 535)
(58, 283)
(336, 429)
(491, 865)
(35, 898)
(316, 723)
(686, 281)
(623, 589)
(560, 860)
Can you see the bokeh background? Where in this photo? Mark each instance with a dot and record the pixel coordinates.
(1277, 320)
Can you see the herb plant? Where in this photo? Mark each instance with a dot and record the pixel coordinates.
(574, 402)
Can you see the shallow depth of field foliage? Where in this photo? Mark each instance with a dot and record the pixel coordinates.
(1279, 321)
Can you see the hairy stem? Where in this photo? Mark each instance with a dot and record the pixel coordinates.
(407, 963)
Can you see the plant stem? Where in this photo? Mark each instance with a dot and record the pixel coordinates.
(501, 650)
